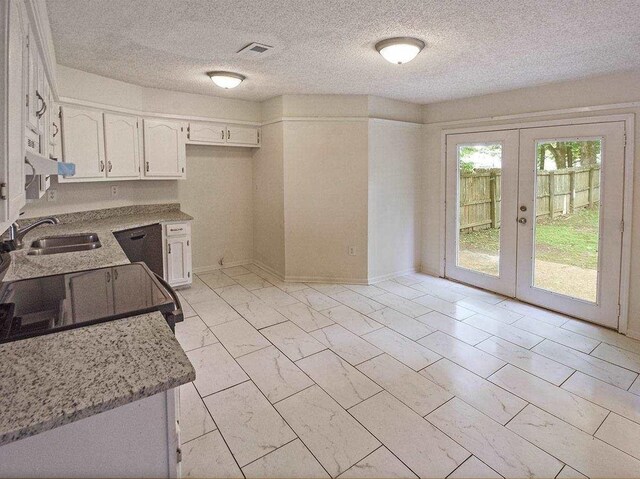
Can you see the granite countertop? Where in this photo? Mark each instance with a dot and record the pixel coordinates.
(58, 378)
(110, 254)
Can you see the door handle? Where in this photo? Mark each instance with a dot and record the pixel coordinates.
(522, 221)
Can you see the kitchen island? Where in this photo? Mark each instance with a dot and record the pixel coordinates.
(97, 400)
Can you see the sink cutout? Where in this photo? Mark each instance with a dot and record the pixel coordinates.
(65, 244)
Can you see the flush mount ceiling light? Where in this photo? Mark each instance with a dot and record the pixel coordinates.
(399, 50)
(226, 79)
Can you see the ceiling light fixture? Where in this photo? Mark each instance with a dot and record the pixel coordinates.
(399, 50)
(226, 79)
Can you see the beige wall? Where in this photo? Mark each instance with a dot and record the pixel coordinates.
(395, 165)
(530, 104)
(81, 85)
(218, 188)
(325, 191)
(268, 200)
(217, 193)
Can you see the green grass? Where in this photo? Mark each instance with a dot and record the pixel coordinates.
(570, 239)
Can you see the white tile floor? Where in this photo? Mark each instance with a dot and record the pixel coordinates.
(415, 376)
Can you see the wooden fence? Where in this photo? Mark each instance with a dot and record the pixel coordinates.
(560, 192)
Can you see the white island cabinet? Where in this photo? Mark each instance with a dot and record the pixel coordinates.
(138, 439)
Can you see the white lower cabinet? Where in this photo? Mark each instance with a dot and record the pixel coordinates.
(177, 241)
(164, 149)
(139, 439)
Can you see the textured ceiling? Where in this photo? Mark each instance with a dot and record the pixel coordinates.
(327, 46)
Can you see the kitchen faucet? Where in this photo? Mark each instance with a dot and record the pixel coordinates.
(16, 233)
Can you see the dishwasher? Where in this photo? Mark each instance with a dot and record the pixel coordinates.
(143, 244)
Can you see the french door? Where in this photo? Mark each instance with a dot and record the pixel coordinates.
(536, 214)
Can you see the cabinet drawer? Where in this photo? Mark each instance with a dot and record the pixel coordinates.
(177, 229)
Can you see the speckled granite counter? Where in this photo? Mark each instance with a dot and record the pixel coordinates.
(55, 379)
(110, 254)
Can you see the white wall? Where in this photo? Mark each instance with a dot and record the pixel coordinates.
(218, 194)
(531, 104)
(268, 200)
(395, 165)
(218, 188)
(77, 84)
(325, 191)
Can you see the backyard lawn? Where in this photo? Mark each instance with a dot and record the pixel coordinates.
(570, 239)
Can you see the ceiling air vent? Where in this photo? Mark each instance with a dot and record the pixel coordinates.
(256, 50)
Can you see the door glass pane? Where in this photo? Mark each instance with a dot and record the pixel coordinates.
(479, 173)
(567, 223)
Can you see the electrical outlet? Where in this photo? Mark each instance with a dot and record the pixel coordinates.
(52, 195)
(352, 250)
(114, 191)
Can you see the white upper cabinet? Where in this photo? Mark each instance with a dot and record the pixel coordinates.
(209, 133)
(243, 135)
(206, 133)
(13, 110)
(34, 102)
(122, 146)
(83, 142)
(164, 149)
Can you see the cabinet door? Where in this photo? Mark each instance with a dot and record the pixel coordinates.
(83, 142)
(90, 294)
(12, 171)
(122, 151)
(127, 294)
(33, 62)
(55, 137)
(178, 260)
(209, 133)
(164, 149)
(243, 135)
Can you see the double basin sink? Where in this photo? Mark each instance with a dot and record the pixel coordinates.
(65, 244)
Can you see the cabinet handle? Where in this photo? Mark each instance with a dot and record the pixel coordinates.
(147, 165)
(228, 134)
(108, 277)
(169, 248)
(223, 134)
(110, 166)
(41, 111)
(33, 175)
(115, 274)
(57, 129)
(101, 166)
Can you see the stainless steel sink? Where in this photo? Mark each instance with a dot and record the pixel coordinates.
(65, 244)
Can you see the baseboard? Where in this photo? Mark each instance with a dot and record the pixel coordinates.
(268, 269)
(632, 333)
(304, 279)
(384, 277)
(325, 279)
(211, 269)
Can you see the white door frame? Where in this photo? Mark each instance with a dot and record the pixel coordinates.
(629, 120)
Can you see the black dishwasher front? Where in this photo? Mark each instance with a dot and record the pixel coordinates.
(143, 244)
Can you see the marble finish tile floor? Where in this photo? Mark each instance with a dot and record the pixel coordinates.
(414, 377)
